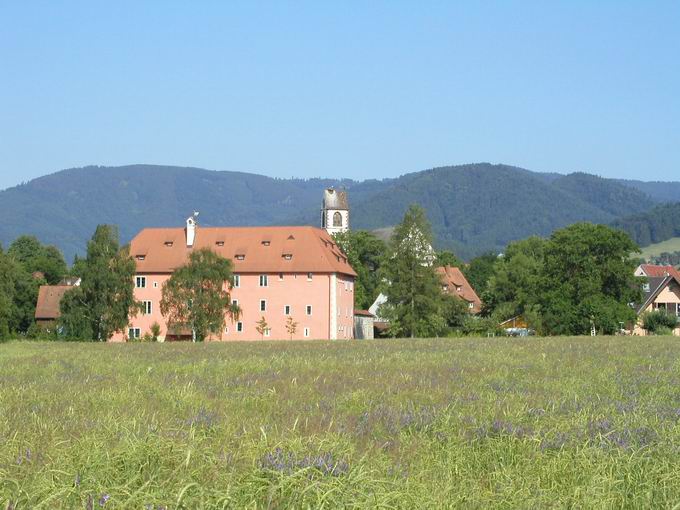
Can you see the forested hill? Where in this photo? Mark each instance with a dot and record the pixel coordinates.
(659, 224)
(473, 208)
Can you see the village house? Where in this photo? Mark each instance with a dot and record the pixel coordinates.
(279, 272)
(661, 292)
(455, 284)
(47, 309)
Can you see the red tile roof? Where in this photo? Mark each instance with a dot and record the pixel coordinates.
(456, 284)
(49, 298)
(653, 271)
(251, 249)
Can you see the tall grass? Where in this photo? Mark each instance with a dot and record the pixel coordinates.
(473, 423)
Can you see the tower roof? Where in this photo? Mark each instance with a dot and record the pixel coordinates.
(334, 199)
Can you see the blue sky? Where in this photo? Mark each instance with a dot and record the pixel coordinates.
(349, 89)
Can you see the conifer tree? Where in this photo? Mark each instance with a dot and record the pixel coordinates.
(413, 288)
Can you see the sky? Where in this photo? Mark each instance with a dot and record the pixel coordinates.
(341, 89)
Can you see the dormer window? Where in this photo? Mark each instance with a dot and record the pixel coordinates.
(168, 244)
(240, 256)
(220, 243)
(287, 256)
(266, 243)
(140, 257)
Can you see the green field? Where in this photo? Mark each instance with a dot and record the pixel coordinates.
(668, 246)
(469, 423)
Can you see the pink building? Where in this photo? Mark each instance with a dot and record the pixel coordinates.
(280, 272)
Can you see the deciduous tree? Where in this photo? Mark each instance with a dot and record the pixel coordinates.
(105, 300)
(262, 326)
(197, 295)
(365, 253)
(291, 327)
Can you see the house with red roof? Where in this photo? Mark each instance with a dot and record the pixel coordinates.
(280, 272)
(455, 284)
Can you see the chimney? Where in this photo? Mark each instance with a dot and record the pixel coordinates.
(191, 229)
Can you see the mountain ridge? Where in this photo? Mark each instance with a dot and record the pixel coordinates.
(473, 208)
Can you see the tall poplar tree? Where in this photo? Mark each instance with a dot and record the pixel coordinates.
(414, 290)
(197, 295)
(6, 294)
(105, 299)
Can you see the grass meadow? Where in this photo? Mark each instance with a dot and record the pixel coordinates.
(669, 246)
(468, 423)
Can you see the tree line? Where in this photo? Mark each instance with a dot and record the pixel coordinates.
(579, 278)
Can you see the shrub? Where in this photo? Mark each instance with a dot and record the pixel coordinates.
(658, 321)
(155, 331)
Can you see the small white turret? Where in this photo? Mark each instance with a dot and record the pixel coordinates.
(191, 229)
(335, 211)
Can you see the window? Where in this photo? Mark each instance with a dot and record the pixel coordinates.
(226, 330)
(268, 332)
(309, 277)
(147, 307)
(263, 280)
(237, 281)
(306, 332)
(168, 244)
(286, 310)
(471, 305)
(239, 327)
(134, 333)
(155, 285)
(141, 257)
(234, 302)
(263, 305)
(220, 243)
(645, 287)
(280, 277)
(337, 219)
(287, 256)
(309, 309)
(140, 282)
(266, 243)
(240, 256)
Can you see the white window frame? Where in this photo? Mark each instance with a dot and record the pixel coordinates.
(264, 281)
(140, 282)
(263, 305)
(306, 332)
(136, 333)
(237, 281)
(155, 285)
(234, 302)
(148, 307)
(268, 332)
(286, 309)
(239, 327)
(308, 309)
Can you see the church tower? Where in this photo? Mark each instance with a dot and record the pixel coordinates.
(335, 211)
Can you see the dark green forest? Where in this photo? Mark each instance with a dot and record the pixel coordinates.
(659, 224)
(474, 209)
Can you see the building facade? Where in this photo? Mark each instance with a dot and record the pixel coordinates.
(279, 273)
